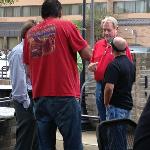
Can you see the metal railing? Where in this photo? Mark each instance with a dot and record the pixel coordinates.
(4, 66)
(81, 98)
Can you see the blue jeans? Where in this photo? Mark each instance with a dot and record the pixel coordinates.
(100, 102)
(113, 112)
(117, 134)
(65, 113)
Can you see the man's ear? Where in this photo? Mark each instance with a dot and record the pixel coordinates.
(117, 28)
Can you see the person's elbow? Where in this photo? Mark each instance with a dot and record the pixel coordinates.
(109, 88)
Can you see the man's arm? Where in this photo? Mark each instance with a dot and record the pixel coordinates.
(93, 64)
(86, 53)
(108, 91)
(110, 79)
(76, 41)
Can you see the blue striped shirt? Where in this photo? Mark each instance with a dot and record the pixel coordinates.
(18, 76)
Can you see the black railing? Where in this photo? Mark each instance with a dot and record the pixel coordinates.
(4, 66)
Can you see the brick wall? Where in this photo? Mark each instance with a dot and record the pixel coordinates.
(140, 90)
(142, 37)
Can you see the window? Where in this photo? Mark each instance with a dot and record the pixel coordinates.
(26, 11)
(101, 7)
(8, 11)
(148, 6)
(88, 8)
(35, 11)
(80, 9)
(118, 7)
(140, 6)
(130, 7)
(1, 12)
(11, 42)
(17, 12)
(75, 10)
(1, 43)
(66, 9)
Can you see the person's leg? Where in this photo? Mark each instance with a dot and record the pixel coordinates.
(117, 135)
(26, 124)
(99, 101)
(66, 113)
(47, 135)
(46, 125)
(68, 120)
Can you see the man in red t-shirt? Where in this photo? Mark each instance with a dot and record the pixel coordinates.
(50, 51)
(102, 56)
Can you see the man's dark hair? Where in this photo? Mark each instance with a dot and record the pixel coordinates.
(29, 24)
(51, 8)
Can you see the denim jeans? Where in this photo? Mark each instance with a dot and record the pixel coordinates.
(117, 134)
(65, 113)
(100, 102)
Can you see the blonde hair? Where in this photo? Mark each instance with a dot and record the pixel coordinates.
(110, 19)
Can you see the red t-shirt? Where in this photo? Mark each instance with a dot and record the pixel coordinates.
(102, 54)
(50, 51)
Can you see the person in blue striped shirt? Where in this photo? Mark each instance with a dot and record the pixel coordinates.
(26, 138)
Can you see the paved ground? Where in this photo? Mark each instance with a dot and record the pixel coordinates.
(88, 138)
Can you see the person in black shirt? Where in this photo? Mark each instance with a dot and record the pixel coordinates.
(142, 133)
(118, 81)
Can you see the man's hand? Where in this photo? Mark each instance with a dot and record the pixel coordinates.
(92, 66)
(26, 104)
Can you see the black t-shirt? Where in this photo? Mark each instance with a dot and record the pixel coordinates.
(121, 73)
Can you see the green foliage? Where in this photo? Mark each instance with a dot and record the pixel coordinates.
(78, 24)
(7, 2)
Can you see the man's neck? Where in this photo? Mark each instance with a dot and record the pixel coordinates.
(116, 54)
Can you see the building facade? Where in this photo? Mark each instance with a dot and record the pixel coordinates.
(133, 17)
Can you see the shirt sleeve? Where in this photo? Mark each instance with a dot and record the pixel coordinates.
(128, 53)
(111, 74)
(93, 53)
(76, 41)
